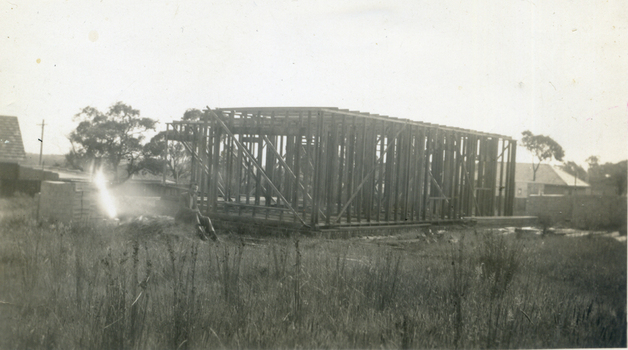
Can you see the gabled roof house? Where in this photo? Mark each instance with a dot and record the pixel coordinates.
(549, 181)
(11, 146)
(13, 176)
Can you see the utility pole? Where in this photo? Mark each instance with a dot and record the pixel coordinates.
(41, 140)
(43, 175)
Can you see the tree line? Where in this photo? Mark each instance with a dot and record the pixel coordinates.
(115, 142)
(115, 139)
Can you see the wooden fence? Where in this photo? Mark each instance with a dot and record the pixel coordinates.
(327, 167)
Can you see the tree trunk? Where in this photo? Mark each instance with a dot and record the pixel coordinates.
(534, 169)
(115, 163)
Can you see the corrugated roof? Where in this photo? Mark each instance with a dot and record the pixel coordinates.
(11, 146)
(546, 174)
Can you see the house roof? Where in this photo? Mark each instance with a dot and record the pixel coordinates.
(11, 146)
(546, 174)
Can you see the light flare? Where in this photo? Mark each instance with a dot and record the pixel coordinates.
(105, 197)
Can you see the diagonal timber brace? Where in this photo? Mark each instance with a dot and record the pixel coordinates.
(198, 158)
(366, 177)
(283, 163)
(475, 200)
(254, 162)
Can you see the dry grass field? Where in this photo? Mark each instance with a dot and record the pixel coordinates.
(143, 286)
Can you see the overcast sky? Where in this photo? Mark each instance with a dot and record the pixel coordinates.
(558, 69)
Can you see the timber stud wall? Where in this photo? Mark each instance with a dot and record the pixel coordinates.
(327, 167)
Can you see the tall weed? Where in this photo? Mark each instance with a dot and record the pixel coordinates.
(98, 287)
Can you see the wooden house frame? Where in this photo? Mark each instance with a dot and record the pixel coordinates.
(325, 168)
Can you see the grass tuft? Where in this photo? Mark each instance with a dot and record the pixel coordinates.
(109, 287)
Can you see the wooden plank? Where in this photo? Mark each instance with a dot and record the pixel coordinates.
(438, 179)
(258, 160)
(297, 167)
(513, 163)
(469, 177)
(322, 168)
(430, 168)
(501, 182)
(507, 180)
(316, 147)
(288, 156)
(215, 160)
(283, 181)
(260, 207)
(486, 179)
(465, 186)
(493, 174)
(396, 152)
(359, 165)
(408, 175)
(307, 178)
(471, 172)
(270, 161)
(249, 174)
(230, 175)
(432, 171)
(438, 175)
(480, 170)
(329, 178)
(225, 171)
(412, 174)
(389, 178)
(419, 169)
(341, 161)
(510, 186)
(350, 166)
(446, 182)
(447, 208)
(479, 181)
(319, 144)
(453, 175)
(380, 169)
(371, 161)
(462, 190)
(457, 182)
(289, 181)
(241, 175)
(293, 181)
(193, 161)
(204, 183)
(425, 212)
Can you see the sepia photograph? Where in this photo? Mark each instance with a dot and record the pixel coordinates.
(293, 174)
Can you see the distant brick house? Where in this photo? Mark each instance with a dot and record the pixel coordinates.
(13, 176)
(549, 181)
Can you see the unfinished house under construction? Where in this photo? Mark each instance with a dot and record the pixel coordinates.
(329, 168)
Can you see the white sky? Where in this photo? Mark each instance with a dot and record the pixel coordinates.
(557, 68)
